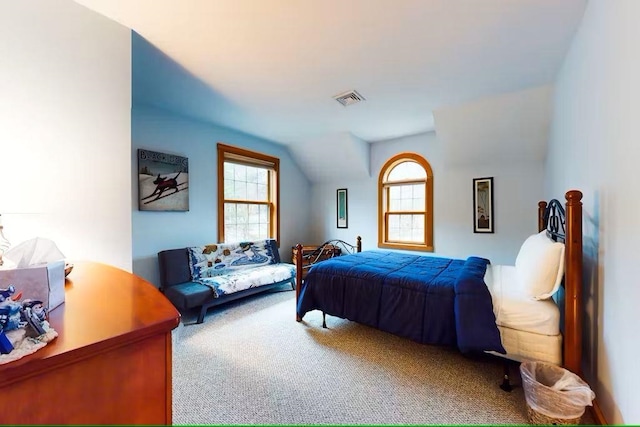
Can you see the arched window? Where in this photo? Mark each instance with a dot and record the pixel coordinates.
(405, 203)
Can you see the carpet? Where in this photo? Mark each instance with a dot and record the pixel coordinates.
(250, 362)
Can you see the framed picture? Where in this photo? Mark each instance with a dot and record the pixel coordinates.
(163, 181)
(342, 207)
(483, 215)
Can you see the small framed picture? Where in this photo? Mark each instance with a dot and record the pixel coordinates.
(342, 208)
(483, 215)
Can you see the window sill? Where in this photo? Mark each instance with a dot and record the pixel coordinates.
(406, 246)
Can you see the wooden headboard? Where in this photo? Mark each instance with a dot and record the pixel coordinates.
(565, 224)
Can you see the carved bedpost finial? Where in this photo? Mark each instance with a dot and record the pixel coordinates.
(573, 196)
(358, 244)
(542, 207)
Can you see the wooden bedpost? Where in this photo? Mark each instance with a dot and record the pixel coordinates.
(298, 277)
(573, 283)
(358, 244)
(542, 207)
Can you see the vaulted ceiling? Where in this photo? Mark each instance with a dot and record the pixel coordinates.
(277, 63)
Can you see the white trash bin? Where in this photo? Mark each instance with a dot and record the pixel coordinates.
(554, 395)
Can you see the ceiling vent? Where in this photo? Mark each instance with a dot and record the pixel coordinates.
(349, 98)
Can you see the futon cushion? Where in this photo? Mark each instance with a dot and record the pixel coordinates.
(224, 258)
(239, 280)
(188, 295)
(174, 267)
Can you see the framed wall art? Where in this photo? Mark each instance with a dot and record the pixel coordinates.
(163, 181)
(483, 214)
(342, 212)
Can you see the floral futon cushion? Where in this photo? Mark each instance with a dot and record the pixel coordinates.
(232, 267)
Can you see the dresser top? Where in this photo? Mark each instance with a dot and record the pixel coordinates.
(105, 307)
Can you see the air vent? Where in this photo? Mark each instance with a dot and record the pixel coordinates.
(349, 98)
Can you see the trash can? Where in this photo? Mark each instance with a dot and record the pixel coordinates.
(554, 395)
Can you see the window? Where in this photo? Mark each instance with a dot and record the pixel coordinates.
(248, 195)
(405, 203)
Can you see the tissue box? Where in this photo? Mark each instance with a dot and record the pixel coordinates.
(40, 282)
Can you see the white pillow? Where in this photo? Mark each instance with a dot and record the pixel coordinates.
(540, 266)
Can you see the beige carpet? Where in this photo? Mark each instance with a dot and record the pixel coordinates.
(250, 362)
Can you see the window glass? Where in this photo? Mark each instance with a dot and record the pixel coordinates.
(407, 170)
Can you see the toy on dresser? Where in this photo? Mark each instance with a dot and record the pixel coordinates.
(29, 315)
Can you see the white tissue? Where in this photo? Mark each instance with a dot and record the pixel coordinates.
(33, 252)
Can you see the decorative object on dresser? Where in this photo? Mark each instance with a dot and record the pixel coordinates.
(36, 268)
(163, 181)
(483, 214)
(206, 276)
(23, 325)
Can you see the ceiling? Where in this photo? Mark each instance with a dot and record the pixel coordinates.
(280, 62)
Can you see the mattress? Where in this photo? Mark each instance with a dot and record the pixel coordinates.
(529, 329)
(523, 346)
(517, 311)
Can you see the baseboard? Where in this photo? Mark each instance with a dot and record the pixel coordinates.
(598, 417)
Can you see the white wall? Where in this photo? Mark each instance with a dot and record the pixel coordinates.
(517, 190)
(166, 132)
(65, 97)
(594, 148)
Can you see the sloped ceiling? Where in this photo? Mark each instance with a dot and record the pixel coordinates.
(333, 157)
(275, 64)
(507, 128)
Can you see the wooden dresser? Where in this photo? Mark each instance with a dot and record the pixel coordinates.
(110, 364)
(308, 250)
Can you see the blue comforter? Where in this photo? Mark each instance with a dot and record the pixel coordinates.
(427, 299)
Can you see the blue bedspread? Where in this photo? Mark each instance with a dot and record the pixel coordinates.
(427, 299)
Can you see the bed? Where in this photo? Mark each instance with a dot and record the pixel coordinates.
(529, 311)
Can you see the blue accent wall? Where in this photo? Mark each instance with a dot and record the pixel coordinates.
(169, 112)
